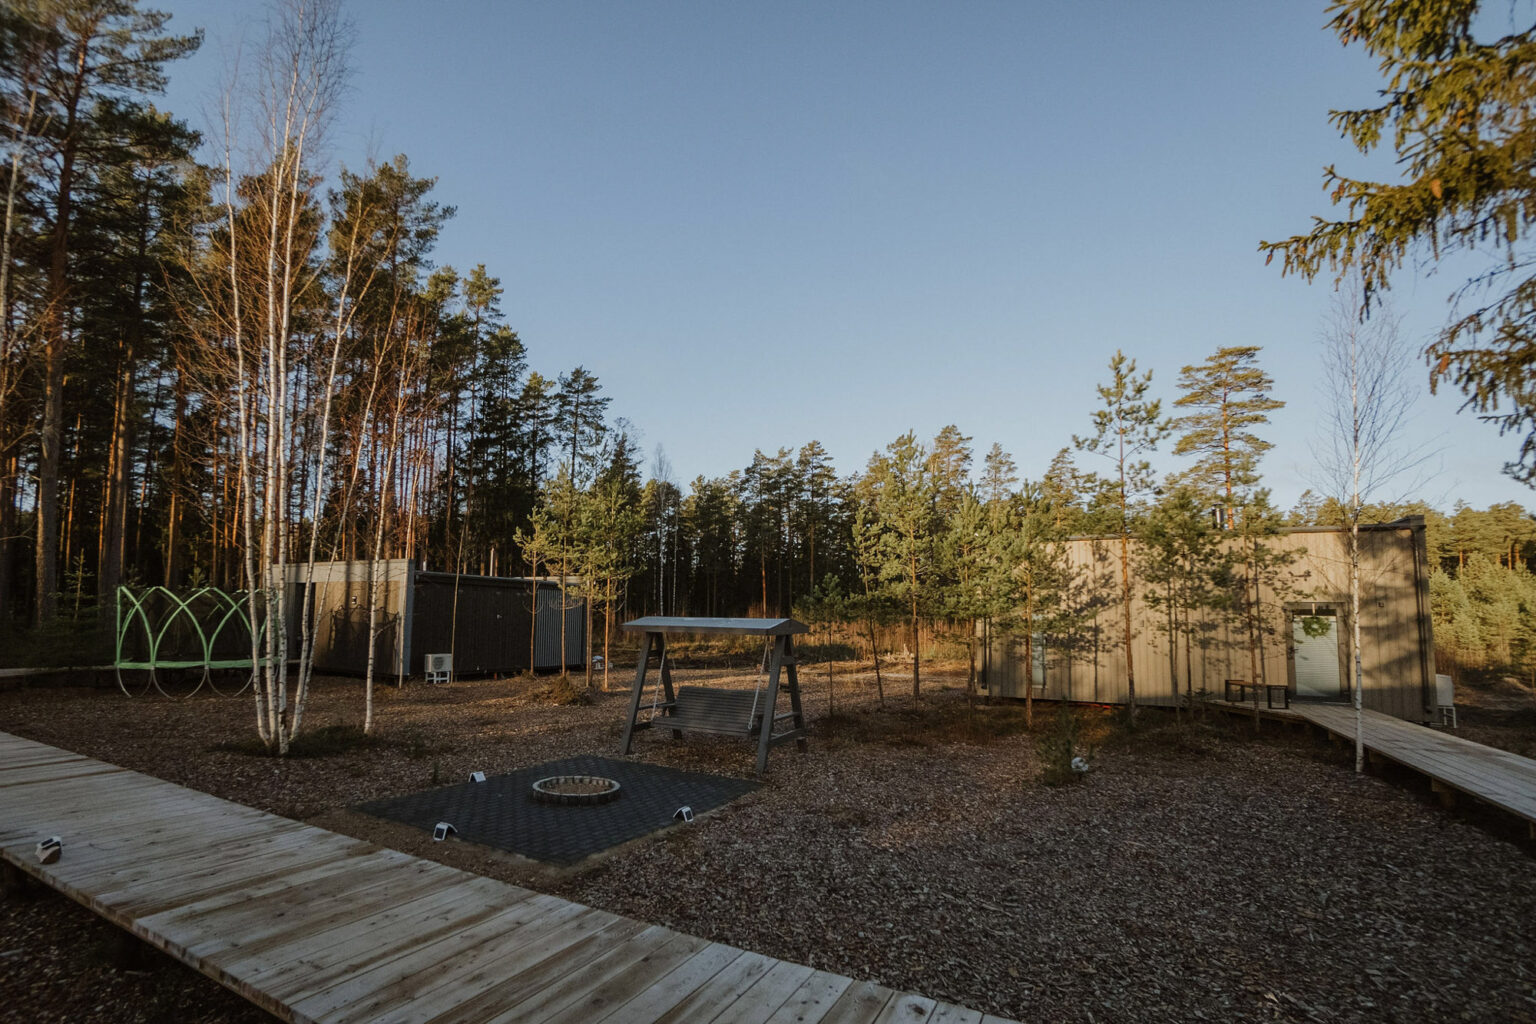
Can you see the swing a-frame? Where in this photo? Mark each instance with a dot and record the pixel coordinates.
(744, 713)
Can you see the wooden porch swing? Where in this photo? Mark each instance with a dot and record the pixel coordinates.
(744, 713)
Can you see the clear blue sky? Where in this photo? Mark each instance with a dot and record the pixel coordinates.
(763, 223)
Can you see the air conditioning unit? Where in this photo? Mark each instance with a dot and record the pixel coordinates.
(439, 668)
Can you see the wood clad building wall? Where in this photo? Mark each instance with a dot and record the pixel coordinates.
(1397, 643)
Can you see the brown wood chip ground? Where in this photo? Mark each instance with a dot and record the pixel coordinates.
(315, 926)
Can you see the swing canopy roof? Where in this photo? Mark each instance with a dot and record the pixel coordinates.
(693, 624)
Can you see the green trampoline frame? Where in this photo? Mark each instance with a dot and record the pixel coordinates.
(134, 611)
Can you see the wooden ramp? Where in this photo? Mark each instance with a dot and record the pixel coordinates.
(1453, 765)
(315, 926)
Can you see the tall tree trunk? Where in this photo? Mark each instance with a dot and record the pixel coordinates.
(177, 481)
(114, 510)
(51, 435)
(1029, 659)
(586, 644)
(533, 607)
(115, 501)
(1253, 631)
(916, 653)
(8, 526)
(563, 609)
(1125, 594)
(1173, 650)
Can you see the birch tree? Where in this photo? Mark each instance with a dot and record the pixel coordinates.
(1369, 403)
(272, 229)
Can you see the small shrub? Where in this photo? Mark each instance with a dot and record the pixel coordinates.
(327, 741)
(1058, 747)
(565, 691)
(809, 653)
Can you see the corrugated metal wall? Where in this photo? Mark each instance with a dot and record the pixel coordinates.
(1396, 639)
(494, 619)
(546, 649)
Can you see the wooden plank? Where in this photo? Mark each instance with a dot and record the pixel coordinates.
(400, 978)
(860, 1003)
(949, 1013)
(474, 969)
(45, 774)
(110, 863)
(619, 978)
(19, 786)
(272, 857)
(764, 998)
(706, 1002)
(159, 898)
(812, 1000)
(324, 956)
(33, 758)
(145, 836)
(511, 979)
(87, 799)
(672, 988)
(83, 872)
(907, 1008)
(281, 903)
(572, 986)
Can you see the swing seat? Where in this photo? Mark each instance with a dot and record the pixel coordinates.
(707, 709)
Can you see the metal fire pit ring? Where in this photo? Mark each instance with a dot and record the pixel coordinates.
(573, 790)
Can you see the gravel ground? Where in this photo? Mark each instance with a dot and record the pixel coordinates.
(1194, 874)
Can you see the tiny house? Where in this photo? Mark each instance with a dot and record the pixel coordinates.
(492, 625)
(1303, 624)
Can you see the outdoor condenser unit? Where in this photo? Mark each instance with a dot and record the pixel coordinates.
(439, 667)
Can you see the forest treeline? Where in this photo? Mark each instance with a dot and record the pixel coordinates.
(207, 370)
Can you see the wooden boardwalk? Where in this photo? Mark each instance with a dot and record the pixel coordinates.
(315, 926)
(1452, 765)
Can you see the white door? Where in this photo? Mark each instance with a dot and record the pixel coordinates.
(1315, 639)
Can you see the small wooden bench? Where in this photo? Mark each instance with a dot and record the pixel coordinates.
(1242, 686)
(708, 709)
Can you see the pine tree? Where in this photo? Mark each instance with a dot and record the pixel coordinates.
(1032, 557)
(903, 497)
(75, 62)
(1183, 566)
(581, 409)
(1228, 396)
(1456, 108)
(1126, 429)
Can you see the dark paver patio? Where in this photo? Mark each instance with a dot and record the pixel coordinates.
(501, 812)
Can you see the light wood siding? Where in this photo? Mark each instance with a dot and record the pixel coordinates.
(339, 613)
(1396, 640)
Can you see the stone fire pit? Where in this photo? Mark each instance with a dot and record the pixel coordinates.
(575, 789)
